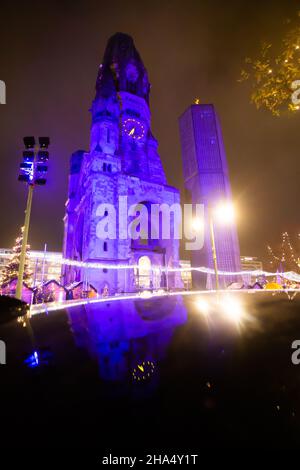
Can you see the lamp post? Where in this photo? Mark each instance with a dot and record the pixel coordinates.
(33, 171)
(24, 243)
(213, 246)
(223, 213)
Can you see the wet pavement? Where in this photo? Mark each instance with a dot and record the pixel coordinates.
(178, 372)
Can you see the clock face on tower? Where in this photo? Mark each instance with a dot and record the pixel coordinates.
(143, 371)
(134, 128)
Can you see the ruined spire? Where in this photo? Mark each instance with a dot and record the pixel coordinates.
(122, 69)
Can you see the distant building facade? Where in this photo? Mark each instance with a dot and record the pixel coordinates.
(44, 266)
(207, 182)
(250, 263)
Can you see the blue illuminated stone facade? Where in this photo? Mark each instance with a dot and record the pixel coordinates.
(122, 161)
(206, 180)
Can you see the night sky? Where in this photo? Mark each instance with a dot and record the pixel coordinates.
(49, 57)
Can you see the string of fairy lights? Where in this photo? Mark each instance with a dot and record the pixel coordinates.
(287, 253)
(290, 275)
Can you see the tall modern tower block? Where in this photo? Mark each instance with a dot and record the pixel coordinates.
(207, 182)
(121, 169)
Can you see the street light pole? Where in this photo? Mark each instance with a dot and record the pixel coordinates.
(24, 242)
(213, 247)
(33, 171)
(224, 213)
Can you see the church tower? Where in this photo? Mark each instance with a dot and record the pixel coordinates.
(123, 161)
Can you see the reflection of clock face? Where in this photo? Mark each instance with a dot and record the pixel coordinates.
(133, 128)
(143, 371)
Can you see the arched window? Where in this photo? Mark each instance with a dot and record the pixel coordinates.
(143, 273)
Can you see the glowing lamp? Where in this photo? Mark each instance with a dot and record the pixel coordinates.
(224, 213)
(203, 306)
(233, 309)
(197, 224)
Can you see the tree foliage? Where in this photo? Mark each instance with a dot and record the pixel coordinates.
(11, 269)
(273, 72)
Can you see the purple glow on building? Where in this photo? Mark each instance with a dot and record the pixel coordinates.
(207, 181)
(122, 161)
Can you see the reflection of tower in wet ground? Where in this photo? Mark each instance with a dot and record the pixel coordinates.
(128, 338)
